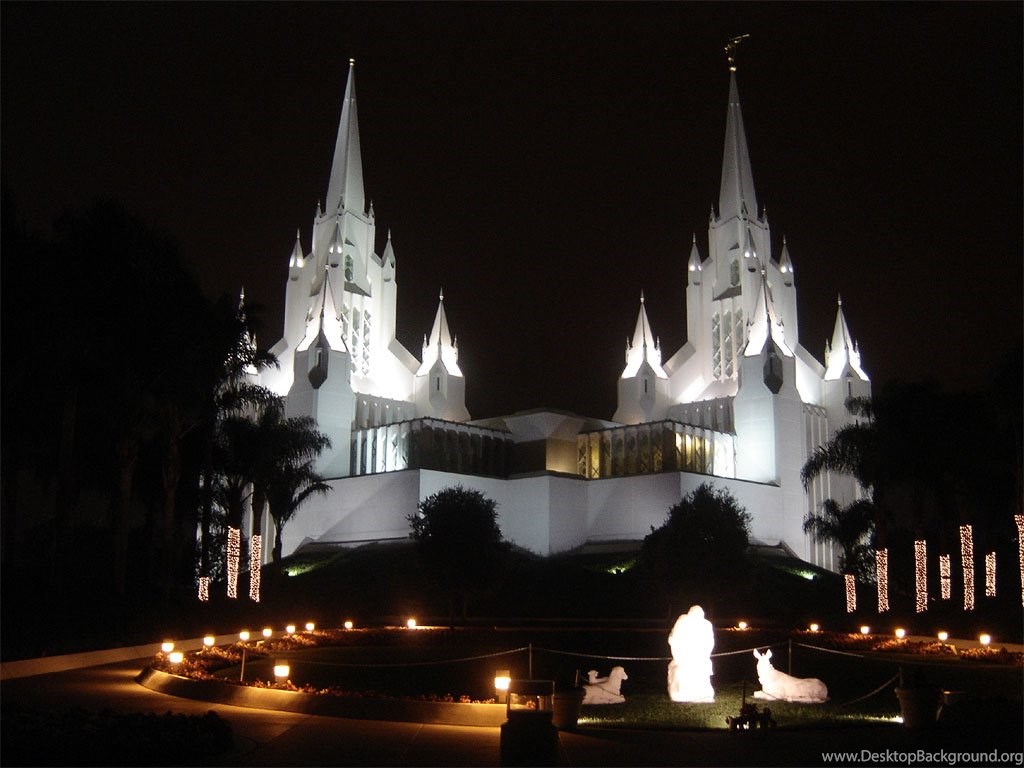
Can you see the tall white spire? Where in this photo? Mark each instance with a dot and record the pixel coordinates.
(842, 356)
(346, 184)
(440, 345)
(736, 195)
(643, 347)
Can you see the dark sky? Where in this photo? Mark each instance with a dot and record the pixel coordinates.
(546, 162)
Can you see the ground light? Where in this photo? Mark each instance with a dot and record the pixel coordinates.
(502, 679)
(814, 628)
(901, 632)
(349, 625)
(411, 623)
(865, 630)
(281, 671)
(943, 636)
(176, 657)
(167, 646)
(244, 635)
(290, 629)
(310, 626)
(984, 638)
(741, 625)
(267, 632)
(209, 641)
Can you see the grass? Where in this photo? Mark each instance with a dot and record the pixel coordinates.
(656, 711)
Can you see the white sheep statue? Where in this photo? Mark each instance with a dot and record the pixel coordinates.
(604, 690)
(778, 686)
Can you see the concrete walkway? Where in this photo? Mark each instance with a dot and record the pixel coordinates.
(268, 738)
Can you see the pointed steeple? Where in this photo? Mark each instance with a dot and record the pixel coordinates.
(643, 347)
(765, 324)
(693, 266)
(346, 182)
(323, 326)
(297, 260)
(842, 355)
(736, 196)
(785, 265)
(439, 346)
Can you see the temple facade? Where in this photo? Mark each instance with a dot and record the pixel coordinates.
(741, 404)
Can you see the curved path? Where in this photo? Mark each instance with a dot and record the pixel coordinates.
(267, 737)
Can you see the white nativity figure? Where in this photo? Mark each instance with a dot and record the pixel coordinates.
(689, 673)
(778, 686)
(604, 690)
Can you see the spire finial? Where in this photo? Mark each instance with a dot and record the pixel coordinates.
(641, 295)
(839, 299)
(440, 295)
(730, 50)
(351, 62)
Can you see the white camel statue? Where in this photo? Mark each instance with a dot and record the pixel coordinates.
(604, 690)
(778, 686)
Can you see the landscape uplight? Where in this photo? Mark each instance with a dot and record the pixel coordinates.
(502, 680)
(244, 635)
(209, 641)
(741, 625)
(176, 657)
(984, 638)
(267, 632)
(349, 624)
(865, 630)
(901, 632)
(281, 671)
(411, 623)
(310, 626)
(943, 636)
(290, 629)
(167, 646)
(814, 627)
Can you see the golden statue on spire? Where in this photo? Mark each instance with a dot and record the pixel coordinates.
(730, 50)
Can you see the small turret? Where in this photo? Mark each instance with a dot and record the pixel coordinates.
(297, 261)
(693, 267)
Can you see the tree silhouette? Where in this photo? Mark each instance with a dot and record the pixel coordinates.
(457, 534)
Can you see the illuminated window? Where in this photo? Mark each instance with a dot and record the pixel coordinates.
(716, 346)
(727, 343)
(348, 267)
(734, 273)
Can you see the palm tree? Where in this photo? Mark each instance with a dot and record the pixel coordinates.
(847, 527)
(289, 486)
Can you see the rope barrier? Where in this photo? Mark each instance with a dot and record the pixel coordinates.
(830, 650)
(418, 663)
(880, 688)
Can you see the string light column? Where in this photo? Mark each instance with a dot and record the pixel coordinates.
(1019, 520)
(851, 592)
(920, 576)
(255, 554)
(234, 551)
(882, 578)
(990, 574)
(945, 587)
(967, 560)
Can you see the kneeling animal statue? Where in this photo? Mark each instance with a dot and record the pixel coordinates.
(604, 690)
(779, 686)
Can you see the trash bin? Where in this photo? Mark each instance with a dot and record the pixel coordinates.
(528, 736)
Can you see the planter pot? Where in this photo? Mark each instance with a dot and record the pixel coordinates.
(919, 706)
(567, 709)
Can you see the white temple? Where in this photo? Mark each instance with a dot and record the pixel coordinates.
(741, 404)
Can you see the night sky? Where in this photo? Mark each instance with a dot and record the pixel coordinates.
(544, 163)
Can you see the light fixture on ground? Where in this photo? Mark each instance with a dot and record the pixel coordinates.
(349, 624)
(865, 630)
(282, 670)
(984, 638)
(244, 635)
(502, 678)
(176, 657)
(814, 627)
(290, 629)
(411, 623)
(310, 626)
(268, 632)
(943, 636)
(741, 625)
(209, 641)
(167, 646)
(901, 633)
